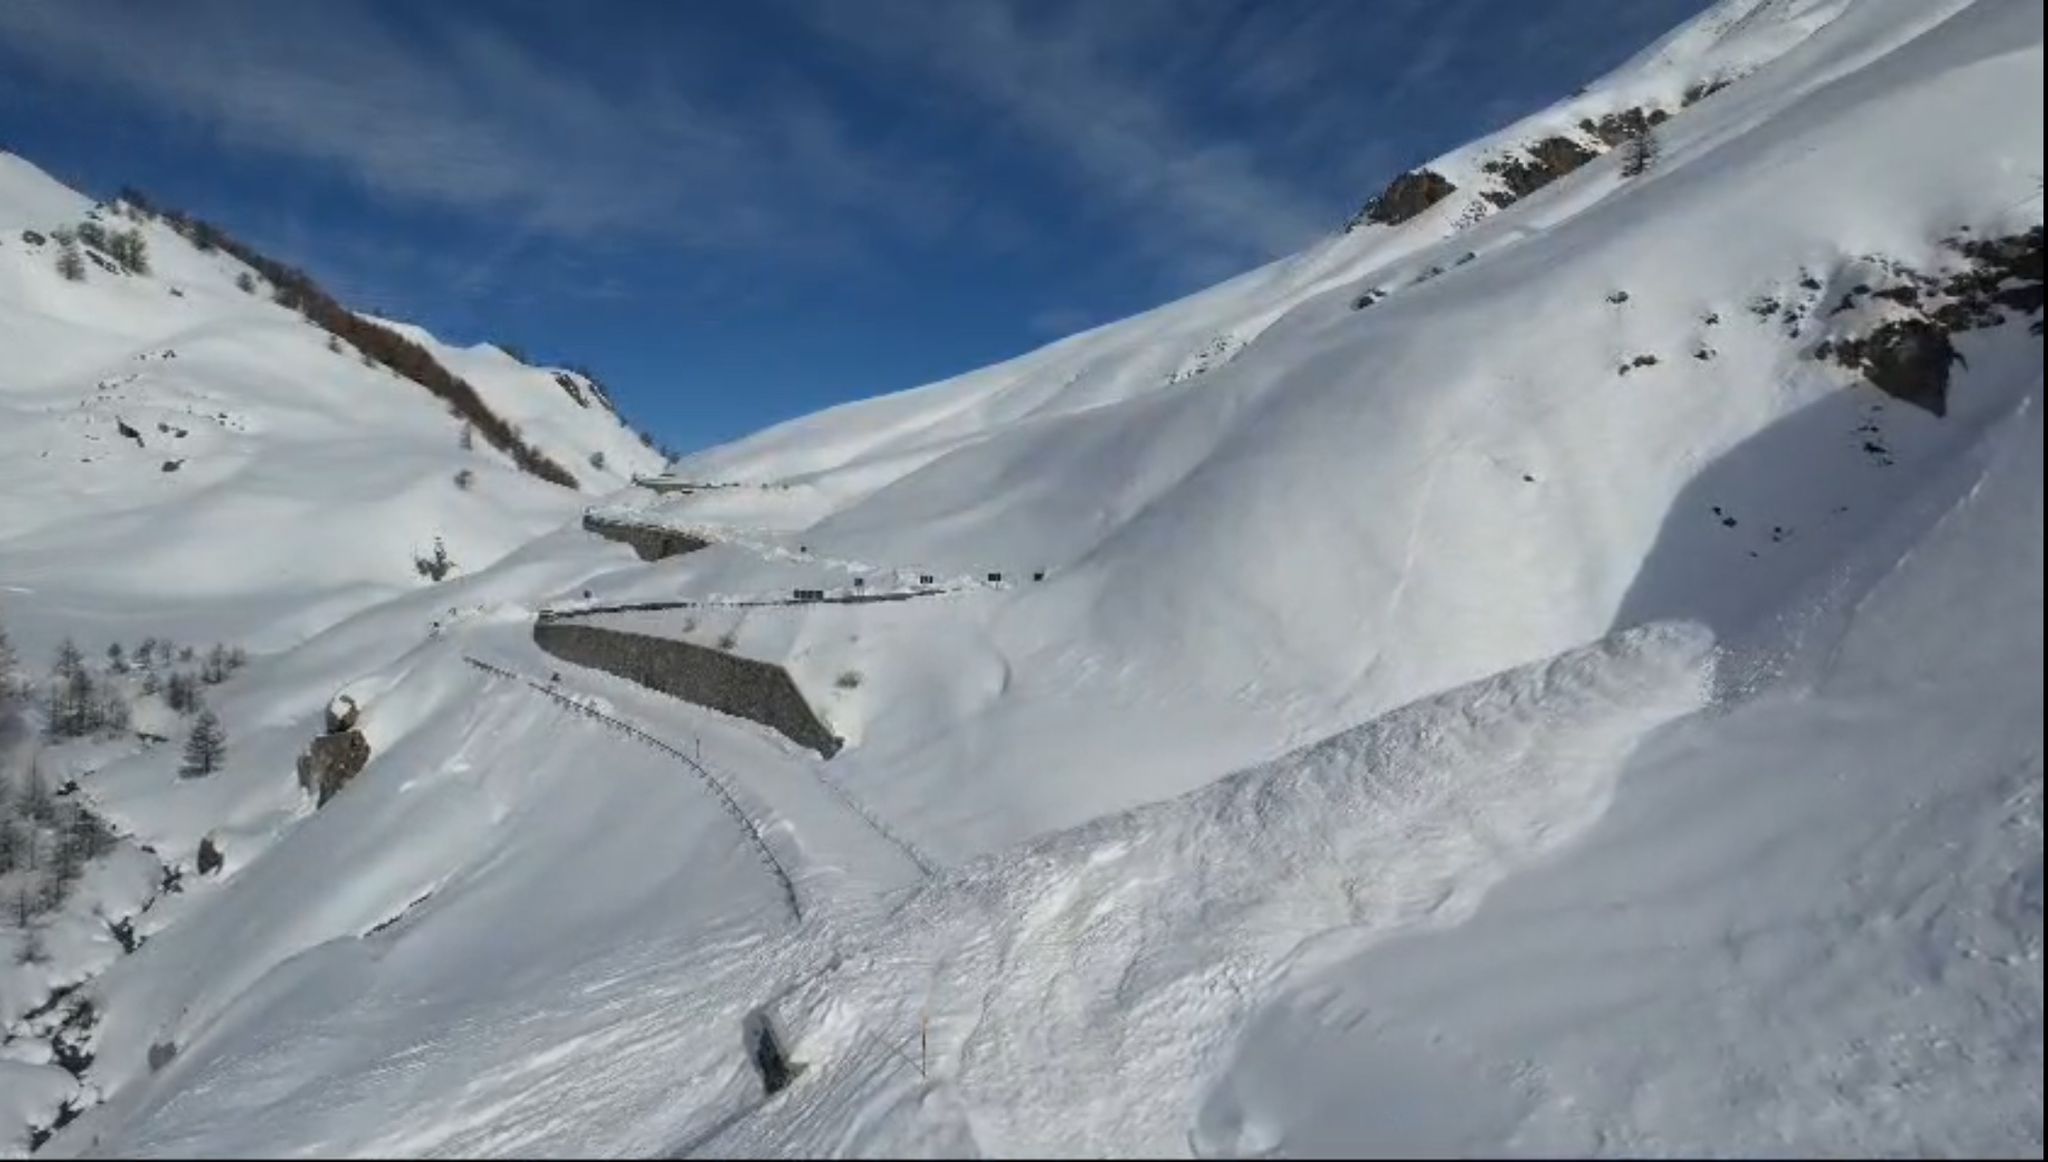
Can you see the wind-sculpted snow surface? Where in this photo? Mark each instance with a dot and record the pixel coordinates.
(1076, 991)
(1810, 925)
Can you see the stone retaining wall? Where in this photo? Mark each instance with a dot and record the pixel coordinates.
(651, 542)
(742, 687)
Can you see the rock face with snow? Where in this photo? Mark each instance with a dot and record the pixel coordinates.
(1588, 702)
(1404, 198)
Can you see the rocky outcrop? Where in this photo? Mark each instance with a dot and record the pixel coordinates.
(1405, 197)
(651, 542)
(1615, 128)
(1910, 355)
(1701, 90)
(1547, 161)
(563, 381)
(333, 759)
(742, 687)
(1907, 359)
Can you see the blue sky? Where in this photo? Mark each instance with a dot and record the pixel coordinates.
(741, 212)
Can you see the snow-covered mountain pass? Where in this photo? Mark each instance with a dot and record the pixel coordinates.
(1449, 448)
(1556, 672)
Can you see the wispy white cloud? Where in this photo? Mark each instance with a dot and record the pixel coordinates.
(466, 117)
(1062, 81)
(1207, 135)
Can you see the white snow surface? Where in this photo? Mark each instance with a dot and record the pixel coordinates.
(306, 481)
(1401, 754)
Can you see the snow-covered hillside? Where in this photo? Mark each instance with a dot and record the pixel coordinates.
(1553, 668)
(177, 452)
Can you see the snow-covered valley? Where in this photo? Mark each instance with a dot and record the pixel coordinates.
(1553, 668)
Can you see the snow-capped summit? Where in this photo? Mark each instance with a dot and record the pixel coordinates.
(1553, 668)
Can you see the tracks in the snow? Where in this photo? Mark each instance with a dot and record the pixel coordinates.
(721, 792)
(716, 785)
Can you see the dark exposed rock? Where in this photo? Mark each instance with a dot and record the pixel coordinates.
(173, 465)
(1547, 161)
(67, 1113)
(342, 714)
(331, 761)
(1367, 299)
(1615, 128)
(764, 1050)
(128, 433)
(1910, 358)
(567, 384)
(162, 1053)
(1982, 289)
(1704, 89)
(71, 1047)
(33, 238)
(1404, 198)
(209, 859)
(1618, 297)
(1907, 359)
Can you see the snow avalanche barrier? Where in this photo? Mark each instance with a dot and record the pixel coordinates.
(651, 542)
(742, 687)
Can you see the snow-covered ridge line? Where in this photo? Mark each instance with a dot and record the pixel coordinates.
(297, 290)
(1718, 48)
(387, 343)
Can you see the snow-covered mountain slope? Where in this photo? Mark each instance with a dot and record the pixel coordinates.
(562, 413)
(1512, 448)
(273, 480)
(1545, 701)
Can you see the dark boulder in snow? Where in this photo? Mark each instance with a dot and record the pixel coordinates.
(1907, 359)
(209, 858)
(1405, 196)
(342, 714)
(331, 761)
(764, 1050)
